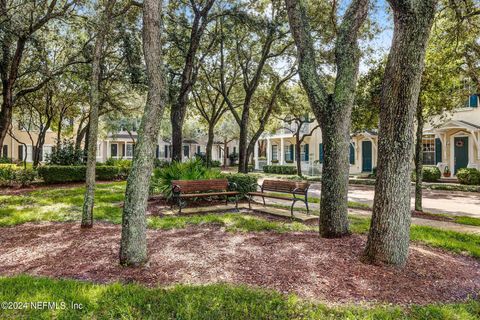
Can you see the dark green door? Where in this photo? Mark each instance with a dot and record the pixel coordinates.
(366, 156)
(461, 153)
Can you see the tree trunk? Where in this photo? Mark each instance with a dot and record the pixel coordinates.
(419, 159)
(103, 26)
(210, 141)
(225, 154)
(389, 236)
(133, 246)
(177, 136)
(332, 111)
(243, 140)
(298, 150)
(335, 170)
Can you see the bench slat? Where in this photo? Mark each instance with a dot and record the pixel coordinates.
(285, 186)
(191, 186)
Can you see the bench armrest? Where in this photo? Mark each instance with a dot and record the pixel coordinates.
(176, 189)
(256, 185)
(297, 191)
(232, 186)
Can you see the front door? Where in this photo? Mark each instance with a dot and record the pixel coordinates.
(366, 156)
(461, 153)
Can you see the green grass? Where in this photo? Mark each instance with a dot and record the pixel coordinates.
(218, 301)
(61, 205)
(469, 221)
(231, 222)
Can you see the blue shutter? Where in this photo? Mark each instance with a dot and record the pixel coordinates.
(352, 154)
(292, 150)
(438, 150)
(320, 148)
(473, 101)
(306, 150)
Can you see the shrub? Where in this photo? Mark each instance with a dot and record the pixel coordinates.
(7, 173)
(245, 183)
(5, 160)
(373, 175)
(10, 174)
(190, 170)
(118, 162)
(66, 155)
(469, 176)
(158, 163)
(58, 174)
(25, 177)
(215, 163)
(108, 173)
(431, 174)
(280, 169)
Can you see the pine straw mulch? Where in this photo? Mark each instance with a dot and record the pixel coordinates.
(322, 269)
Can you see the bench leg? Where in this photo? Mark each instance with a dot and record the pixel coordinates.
(226, 200)
(291, 208)
(306, 204)
(263, 201)
(236, 203)
(249, 202)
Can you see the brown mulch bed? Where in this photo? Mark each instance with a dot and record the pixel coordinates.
(301, 263)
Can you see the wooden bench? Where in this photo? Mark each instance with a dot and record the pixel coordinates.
(297, 190)
(188, 189)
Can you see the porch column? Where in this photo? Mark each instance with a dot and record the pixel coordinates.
(269, 152)
(108, 150)
(282, 152)
(255, 156)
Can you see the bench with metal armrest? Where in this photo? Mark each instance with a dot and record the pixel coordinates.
(297, 190)
(190, 189)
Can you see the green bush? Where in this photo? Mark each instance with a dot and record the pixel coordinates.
(25, 177)
(108, 173)
(7, 174)
(124, 163)
(158, 163)
(58, 174)
(66, 155)
(469, 176)
(5, 160)
(280, 169)
(190, 170)
(215, 163)
(245, 183)
(431, 174)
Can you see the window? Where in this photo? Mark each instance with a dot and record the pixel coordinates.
(5, 151)
(274, 152)
(186, 151)
(428, 149)
(352, 153)
(47, 150)
(199, 150)
(234, 150)
(129, 150)
(288, 153)
(320, 153)
(20, 153)
(114, 150)
(304, 150)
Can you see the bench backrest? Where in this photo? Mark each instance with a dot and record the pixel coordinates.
(285, 186)
(193, 186)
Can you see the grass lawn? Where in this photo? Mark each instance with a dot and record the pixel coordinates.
(219, 301)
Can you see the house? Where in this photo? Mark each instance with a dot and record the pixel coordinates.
(20, 143)
(452, 143)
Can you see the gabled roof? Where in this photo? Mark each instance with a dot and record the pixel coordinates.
(457, 124)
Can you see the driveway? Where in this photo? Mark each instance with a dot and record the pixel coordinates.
(435, 201)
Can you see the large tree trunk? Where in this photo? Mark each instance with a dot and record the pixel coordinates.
(419, 159)
(133, 246)
(335, 170)
(103, 26)
(189, 77)
(210, 141)
(243, 142)
(332, 111)
(389, 236)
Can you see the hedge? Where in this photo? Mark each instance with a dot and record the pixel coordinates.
(469, 176)
(245, 183)
(59, 174)
(11, 174)
(429, 173)
(280, 169)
